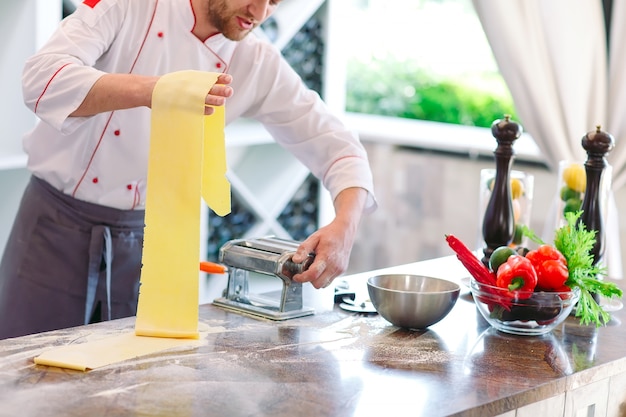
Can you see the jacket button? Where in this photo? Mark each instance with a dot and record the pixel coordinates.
(95, 180)
(117, 132)
(218, 65)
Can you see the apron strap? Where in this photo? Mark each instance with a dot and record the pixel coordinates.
(100, 251)
(108, 259)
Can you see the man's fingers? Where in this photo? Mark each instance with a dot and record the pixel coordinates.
(217, 97)
(219, 91)
(224, 79)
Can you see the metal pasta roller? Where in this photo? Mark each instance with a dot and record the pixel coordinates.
(268, 256)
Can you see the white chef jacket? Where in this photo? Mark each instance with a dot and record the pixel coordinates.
(103, 159)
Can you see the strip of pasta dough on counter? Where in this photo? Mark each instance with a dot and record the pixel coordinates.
(167, 313)
(109, 350)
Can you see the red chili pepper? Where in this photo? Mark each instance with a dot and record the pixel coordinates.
(551, 267)
(515, 275)
(478, 271)
(473, 265)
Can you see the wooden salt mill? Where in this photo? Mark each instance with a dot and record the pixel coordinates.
(597, 144)
(498, 221)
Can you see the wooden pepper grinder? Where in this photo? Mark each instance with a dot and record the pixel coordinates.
(597, 144)
(498, 221)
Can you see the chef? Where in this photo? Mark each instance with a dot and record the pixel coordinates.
(75, 246)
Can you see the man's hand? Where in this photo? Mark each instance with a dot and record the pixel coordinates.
(219, 93)
(332, 253)
(332, 244)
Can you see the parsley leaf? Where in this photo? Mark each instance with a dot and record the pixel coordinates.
(575, 242)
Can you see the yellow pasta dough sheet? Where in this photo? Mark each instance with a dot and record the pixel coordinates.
(113, 349)
(186, 163)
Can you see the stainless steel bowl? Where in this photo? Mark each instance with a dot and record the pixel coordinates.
(412, 301)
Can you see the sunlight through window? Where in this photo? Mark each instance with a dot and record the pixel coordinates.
(427, 60)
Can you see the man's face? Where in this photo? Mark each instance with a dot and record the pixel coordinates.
(236, 18)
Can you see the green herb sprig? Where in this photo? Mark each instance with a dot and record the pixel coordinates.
(575, 242)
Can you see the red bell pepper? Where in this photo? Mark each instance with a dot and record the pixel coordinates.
(517, 275)
(551, 267)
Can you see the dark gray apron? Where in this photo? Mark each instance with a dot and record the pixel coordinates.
(67, 263)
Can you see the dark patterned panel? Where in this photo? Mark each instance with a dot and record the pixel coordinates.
(305, 53)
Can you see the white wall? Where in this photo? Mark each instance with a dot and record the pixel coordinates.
(26, 24)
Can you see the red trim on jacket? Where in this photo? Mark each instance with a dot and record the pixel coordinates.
(224, 69)
(91, 3)
(47, 85)
(93, 154)
(145, 38)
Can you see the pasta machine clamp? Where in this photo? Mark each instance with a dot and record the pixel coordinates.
(268, 256)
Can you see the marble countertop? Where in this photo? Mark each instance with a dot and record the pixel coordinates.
(333, 363)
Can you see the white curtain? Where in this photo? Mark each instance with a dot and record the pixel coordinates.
(617, 92)
(553, 57)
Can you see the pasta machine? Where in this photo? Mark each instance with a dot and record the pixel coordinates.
(268, 256)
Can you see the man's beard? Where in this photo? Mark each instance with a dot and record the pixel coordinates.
(224, 20)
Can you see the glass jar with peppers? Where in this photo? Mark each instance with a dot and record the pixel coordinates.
(534, 298)
(520, 311)
(507, 292)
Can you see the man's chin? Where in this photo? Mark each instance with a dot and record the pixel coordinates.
(236, 35)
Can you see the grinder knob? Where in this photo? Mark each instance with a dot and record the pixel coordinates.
(291, 268)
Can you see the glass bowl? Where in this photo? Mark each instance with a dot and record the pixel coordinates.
(527, 313)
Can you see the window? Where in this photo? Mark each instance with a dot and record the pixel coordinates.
(427, 60)
(421, 73)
